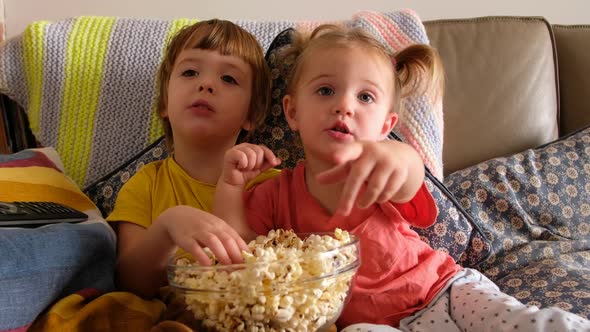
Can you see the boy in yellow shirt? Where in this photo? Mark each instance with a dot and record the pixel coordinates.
(213, 82)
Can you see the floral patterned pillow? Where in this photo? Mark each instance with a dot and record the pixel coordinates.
(275, 132)
(535, 208)
(454, 231)
(104, 191)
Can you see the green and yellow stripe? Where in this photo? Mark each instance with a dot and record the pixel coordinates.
(32, 47)
(85, 54)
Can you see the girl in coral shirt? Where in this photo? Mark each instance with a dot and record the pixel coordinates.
(343, 96)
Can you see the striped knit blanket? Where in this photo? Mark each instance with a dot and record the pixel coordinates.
(88, 85)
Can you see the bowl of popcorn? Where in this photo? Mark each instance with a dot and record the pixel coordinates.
(288, 282)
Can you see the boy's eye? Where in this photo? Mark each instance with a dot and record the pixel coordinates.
(366, 98)
(325, 91)
(229, 79)
(190, 73)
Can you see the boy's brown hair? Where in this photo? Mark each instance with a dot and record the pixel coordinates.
(228, 39)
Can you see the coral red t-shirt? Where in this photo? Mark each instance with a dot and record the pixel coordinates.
(399, 273)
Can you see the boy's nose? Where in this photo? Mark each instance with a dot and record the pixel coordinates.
(203, 87)
(206, 84)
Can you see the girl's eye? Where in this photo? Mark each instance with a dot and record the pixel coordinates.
(190, 73)
(366, 98)
(325, 91)
(229, 79)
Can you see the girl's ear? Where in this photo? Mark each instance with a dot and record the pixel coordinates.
(389, 123)
(247, 125)
(290, 112)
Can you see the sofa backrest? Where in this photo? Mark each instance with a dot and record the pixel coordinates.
(502, 90)
(512, 83)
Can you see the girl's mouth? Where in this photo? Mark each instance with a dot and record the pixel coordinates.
(340, 127)
(340, 131)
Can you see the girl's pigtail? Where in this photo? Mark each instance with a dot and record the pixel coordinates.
(419, 71)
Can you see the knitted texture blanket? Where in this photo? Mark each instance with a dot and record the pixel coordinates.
(88, 85)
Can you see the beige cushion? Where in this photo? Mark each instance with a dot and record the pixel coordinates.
(573, 47)
(501, 90)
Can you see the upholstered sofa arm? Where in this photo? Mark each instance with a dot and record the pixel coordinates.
(573, 47)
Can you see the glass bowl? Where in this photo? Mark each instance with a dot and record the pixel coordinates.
(289, 282)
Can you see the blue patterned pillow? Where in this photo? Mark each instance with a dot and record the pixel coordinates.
(535, 208)
(454, 231)
(104, 191)
(275, 133)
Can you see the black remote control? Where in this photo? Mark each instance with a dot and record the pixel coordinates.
(34, 214)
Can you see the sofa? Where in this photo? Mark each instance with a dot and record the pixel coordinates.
(507, 149)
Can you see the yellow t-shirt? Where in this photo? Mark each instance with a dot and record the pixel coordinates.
(160, 185)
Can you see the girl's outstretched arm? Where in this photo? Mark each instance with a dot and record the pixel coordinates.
(388, 170)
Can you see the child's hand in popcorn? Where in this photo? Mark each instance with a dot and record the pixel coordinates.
(192, 229)
(375, 172)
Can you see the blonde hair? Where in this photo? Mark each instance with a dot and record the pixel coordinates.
(416, 70)
(228, 39)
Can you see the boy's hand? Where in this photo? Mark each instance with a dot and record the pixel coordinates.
(245, 161)
(192, 229)
(383, 171)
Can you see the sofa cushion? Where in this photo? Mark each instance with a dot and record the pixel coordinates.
(535, 208)
(37, 175)
(501, 86)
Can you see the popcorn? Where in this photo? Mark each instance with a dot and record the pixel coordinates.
(286, 284)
